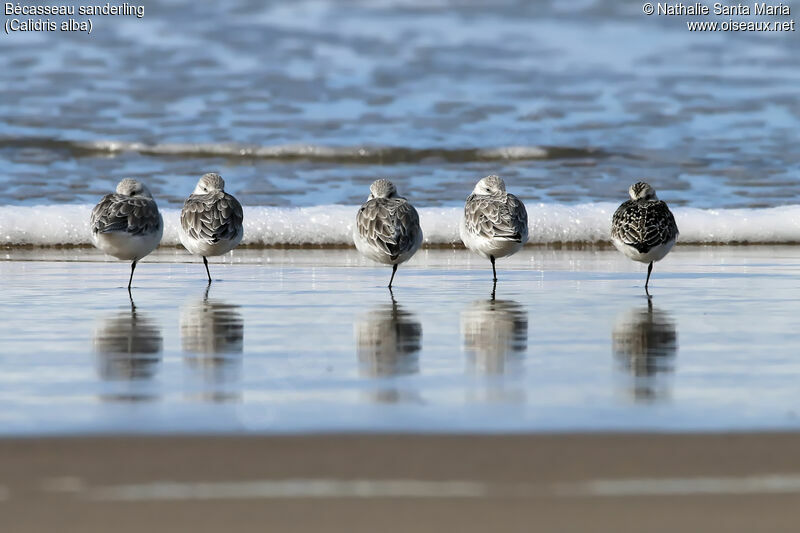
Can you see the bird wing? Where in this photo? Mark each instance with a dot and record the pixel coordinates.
(392, 224)
(494, 217)
(212, 217)
(135, 215)
(644, 225)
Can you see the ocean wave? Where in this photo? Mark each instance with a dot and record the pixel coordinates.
(291, 152)
(332, 225)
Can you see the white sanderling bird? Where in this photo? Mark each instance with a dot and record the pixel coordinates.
(643, 228)
(211, 220)
(495, 223)
(387, 227)
(127, 224)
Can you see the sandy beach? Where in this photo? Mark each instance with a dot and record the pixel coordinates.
(296, 393)
(354, 483)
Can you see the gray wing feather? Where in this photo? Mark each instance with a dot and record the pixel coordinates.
(136, 215)
(212, 217)
(493, 217)
(392, 224)
(644, 225)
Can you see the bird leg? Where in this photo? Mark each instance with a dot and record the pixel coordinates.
(205, 262)
(130, 280)
(394, 269)
(649, 270)
(494, 272)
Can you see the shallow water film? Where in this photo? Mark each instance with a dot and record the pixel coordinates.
(311, 340)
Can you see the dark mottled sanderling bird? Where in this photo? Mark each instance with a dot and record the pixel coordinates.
(211, 220)
(387, 227)
(127, 224)
(643, 228)
(495, 222)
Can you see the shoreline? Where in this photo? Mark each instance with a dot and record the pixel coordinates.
(572, 245)
(360, 482)
(331, 225)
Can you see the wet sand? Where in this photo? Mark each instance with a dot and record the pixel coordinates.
(557, 482)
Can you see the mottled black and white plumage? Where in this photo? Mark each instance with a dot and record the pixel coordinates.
(643, 228)
(488, 217)
(131, 214)
(127, 224)
(495, 222)
(387, 227)
(211, 220)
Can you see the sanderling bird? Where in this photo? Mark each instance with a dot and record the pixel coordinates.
(211, 220)
(127, 224)
(495, 223)
(643, 228)
(387, 227)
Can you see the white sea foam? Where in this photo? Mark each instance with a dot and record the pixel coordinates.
(49, 225)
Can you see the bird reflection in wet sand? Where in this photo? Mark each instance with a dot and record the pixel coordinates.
(495, 335)
(388, 340)
(212, 338)
(128, 346)
(645, 343)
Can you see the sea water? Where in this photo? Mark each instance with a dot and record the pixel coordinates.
(305, 103)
